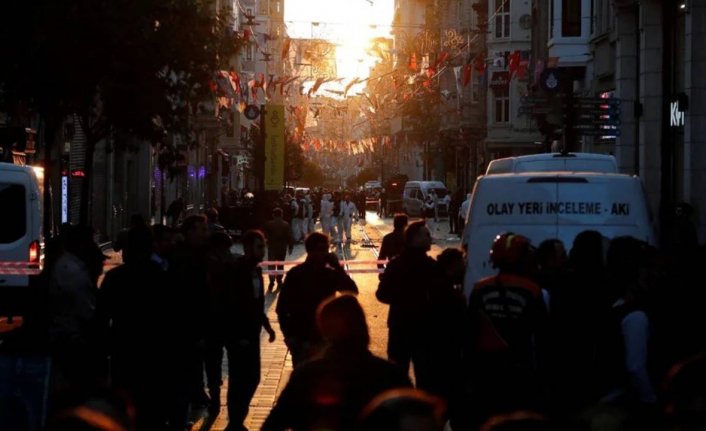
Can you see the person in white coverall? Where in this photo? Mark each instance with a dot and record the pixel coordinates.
(345, 219)
(326, 213)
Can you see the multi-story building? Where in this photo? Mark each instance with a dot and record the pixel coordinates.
(508, 46)
(647, 55)
(462, 122)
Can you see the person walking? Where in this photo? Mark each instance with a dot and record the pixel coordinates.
(330, 392)
(348, 212)
(279, 243)
(407, 285)
(326, 215)
(305, 287)
(393, 243)
(245, 320)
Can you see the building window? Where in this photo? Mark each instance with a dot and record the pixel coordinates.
(571, 18)
(249, 52)
(248, 12)
(502, 18)
(502, 105)
(264, 7)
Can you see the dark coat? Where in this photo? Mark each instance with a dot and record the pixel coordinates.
(304, 288)
(330, 392)
(279, 238)
(244, 310)
(392, 245)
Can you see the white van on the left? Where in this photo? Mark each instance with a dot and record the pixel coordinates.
(21, 237)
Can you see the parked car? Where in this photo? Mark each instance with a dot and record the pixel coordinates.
(415, 192)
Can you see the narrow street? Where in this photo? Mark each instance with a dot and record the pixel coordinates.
(276, 361)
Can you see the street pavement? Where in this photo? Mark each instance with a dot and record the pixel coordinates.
(276, 360)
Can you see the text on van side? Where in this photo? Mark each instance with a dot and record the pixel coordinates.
(576, 208)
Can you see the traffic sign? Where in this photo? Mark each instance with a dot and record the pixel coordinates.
(597, 122)
(596, 101)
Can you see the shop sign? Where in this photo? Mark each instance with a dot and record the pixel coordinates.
(677, 112)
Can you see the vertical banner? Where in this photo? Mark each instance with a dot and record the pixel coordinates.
(274, 147)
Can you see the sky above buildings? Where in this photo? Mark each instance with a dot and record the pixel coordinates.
(348, 23)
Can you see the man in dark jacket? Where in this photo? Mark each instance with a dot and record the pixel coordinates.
(393, 242)
(408, 285)
(306, 286)
(279, 242)
(245, 319)
(331, 391)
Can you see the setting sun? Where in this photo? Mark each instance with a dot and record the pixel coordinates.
(350, 24)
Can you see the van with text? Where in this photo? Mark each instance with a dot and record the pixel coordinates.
(544, 205)
(21, 239)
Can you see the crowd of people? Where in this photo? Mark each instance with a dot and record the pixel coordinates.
(605, 336)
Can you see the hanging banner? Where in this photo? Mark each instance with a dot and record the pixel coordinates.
(274, 147)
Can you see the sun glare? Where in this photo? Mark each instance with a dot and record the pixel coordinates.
(349, 24)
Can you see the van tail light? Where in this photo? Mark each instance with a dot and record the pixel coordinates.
(34, 252)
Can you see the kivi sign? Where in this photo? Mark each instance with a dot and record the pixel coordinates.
(677, 110)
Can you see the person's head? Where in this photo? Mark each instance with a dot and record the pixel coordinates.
(212, 215)
(626, 259)
(453, 263)
(517, 421)
(512, 253)
(317, 246)
(400, 221)
(220, 243)
(341, 322)
(277, 213)
(551, 255)
(137, 220)
(139, 245)
(403, 409)
(254, 245)
(417, 236)
(195, 230)
(587, 251)
(347, 198)
(162, 239)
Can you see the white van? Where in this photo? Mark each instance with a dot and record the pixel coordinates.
(554, 162)
(544, 205)
(415, 192)
(20, 225)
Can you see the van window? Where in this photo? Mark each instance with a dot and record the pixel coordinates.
(13, 216)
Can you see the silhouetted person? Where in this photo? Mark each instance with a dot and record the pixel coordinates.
(306, 286)
(330, 392)
(279, 243)
(132, 304)
(175, 211)
(507, 331)
(403, 410)
(245, 319)
(214, 224)
(188, 277)
(407, 285)
(393, 242)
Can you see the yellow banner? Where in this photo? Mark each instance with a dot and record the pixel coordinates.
(274, 147)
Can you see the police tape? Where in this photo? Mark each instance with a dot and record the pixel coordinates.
(342, 262)
(19, 268)
(349, 271)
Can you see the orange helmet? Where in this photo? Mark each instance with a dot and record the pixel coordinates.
(508, 249)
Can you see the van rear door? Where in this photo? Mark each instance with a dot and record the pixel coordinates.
(505, 203)
(613, 205)
(15, 223)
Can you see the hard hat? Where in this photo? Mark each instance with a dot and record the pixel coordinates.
(508, 249)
